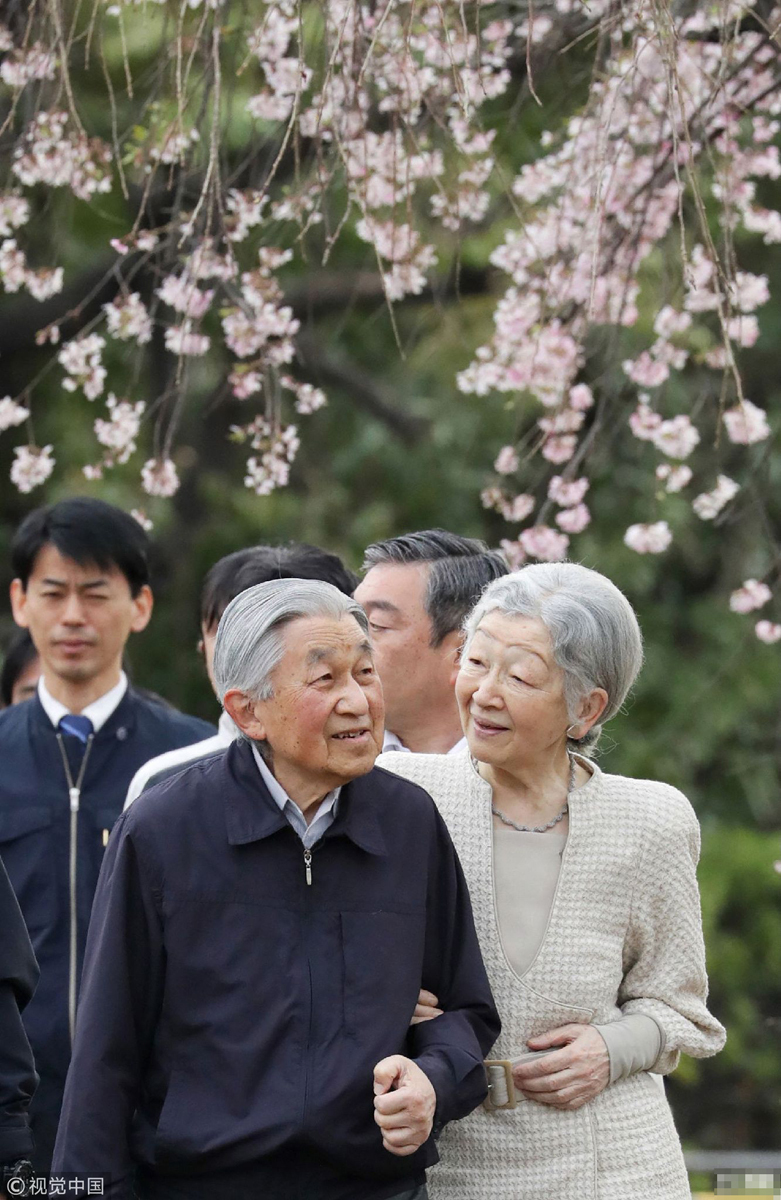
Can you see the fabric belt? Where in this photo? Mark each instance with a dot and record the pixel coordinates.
(502, 1092)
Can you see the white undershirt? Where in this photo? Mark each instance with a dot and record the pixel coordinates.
(98, 711)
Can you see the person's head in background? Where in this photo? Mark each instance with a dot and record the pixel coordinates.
(81, 587)
(21, 670)
(260, 564)
(417, 590)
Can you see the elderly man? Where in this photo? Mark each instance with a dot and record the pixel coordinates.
(417, 591)
(262, 925)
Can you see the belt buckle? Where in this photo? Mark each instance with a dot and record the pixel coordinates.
(507, 1078)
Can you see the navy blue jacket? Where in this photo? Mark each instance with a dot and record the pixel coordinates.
(18, 977)
(35, 838)
(234, 1014)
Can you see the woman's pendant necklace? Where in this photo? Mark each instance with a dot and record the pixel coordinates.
(556, 819)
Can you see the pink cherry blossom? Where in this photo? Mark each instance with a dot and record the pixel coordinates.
(559, 449)
(567, 493)
(180, 339)
(183, 295)
(245, 383)
(649, 539)
(746, 424)
(644, 422)
(128, 319)
(514, 553)
(768, 632)
(709, 504)
(31, 467)
(581, 397)
(159, 477)
(573, 520)
(11, 413)
(14, 212)
(750, 596)
(676, 438)
(675, 479)
(518, 508)
(121, 430)
(647, 371)
(82, 362)
(506, 461)
(668, 322)
(544, 543)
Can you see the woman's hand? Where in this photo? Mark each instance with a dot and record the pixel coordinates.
(426, 1008)
(569, 1077)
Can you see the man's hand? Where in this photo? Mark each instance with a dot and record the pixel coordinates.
(404, 1103)
(570, 1077)
(426, 1008)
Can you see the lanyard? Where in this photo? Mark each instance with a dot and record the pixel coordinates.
(74, 789)
(74, 792)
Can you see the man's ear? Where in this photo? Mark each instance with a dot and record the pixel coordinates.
(19, 602)
(241, 708)
(142, 609)
(451, 649)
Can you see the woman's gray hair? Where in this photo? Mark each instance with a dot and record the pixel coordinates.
(249, 641)
(595, 635)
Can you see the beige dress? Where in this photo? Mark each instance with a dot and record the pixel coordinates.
(624, 936)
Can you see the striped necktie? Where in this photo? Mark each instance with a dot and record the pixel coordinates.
(77, 726)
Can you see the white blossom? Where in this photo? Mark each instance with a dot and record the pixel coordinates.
(180, 339)
(159, 477)
(121, 430)
(127, 318)
(746, 424)
(709, 504)
(648, 539)
(11, 413)
(750, 596)
(31, 467)
(81, 360)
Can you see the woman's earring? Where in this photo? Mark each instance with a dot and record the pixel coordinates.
(574, 725)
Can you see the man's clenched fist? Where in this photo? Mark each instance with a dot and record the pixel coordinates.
(404, 1103)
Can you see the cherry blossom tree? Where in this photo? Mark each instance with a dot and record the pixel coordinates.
(262, 137)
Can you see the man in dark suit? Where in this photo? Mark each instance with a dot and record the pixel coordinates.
(68, 754)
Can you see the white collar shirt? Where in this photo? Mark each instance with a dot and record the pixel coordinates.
(391, 742)
(98, 711)
(324, 818)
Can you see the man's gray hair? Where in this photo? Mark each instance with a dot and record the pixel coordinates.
(595, 635)
(459, 569)
(249, 641)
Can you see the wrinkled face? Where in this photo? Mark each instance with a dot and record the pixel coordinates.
(79, 617)
(510, 692)
(414, 674)
(324, 721)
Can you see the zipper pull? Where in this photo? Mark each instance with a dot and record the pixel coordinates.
(75, 794)
(308, 865)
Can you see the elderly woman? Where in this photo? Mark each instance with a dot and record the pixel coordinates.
(585, 900)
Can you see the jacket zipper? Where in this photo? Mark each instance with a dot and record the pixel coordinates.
(307, 915)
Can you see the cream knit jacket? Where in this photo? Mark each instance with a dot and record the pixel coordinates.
(624, 936)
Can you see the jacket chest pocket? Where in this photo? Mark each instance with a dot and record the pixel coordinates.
(383, 957)
(27, 851)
